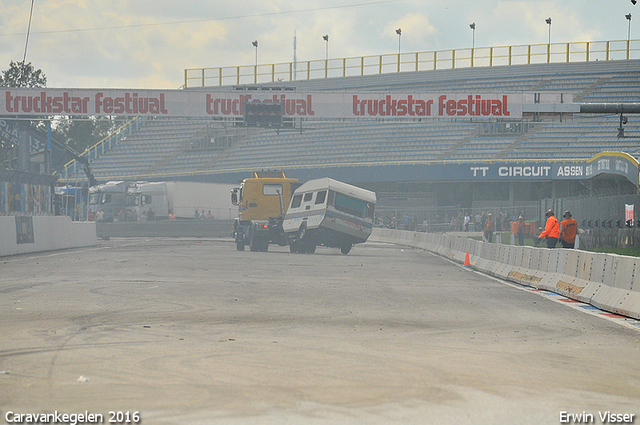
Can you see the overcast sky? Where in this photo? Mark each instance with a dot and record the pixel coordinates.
(149, 43)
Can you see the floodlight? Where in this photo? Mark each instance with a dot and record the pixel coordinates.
(548, 21)
(399, 31)
(255, 43)
(325, 37)
(628, 17)
(472, 26)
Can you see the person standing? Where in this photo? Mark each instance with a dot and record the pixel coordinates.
(551, 230)
(489, 228)
(569, 231)
(517, 228)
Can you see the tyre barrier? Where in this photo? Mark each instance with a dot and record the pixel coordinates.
(607, 281)
(25, 234)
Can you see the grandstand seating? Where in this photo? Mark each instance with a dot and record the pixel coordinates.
(170, 147)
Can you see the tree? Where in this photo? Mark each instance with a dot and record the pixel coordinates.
(20, 74)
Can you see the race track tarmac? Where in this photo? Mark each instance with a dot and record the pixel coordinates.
(191, 331)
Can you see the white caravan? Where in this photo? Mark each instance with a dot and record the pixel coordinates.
(331, 213)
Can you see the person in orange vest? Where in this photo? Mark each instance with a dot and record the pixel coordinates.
(568, 232)
(517, 228)
(551, 230)
(489, 228)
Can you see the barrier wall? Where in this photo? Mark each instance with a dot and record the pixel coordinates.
(166, 228)
(24, 234)
(607, 281)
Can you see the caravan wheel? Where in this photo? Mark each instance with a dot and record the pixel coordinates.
(302, 231)
(345, 249)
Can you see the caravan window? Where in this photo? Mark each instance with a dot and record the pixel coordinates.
(308, 196)
(146, 199)
(321, 196)
(272, 189)
(351, 205)
(132, 201)
(106, 198)
(296, 201)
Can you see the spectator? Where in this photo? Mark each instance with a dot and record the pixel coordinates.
(551, 230)
(172, 216)
(489, 228)
(569, 231)
(518, 230)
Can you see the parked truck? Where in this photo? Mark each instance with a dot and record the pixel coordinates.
(274, 209)
(182, 198)
(108, 199)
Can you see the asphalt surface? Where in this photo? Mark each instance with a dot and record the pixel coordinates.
(191, 331)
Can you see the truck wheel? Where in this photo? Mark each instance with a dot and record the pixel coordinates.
(345, 249)
(240, 246)
(311, 248)
(264, 247)
(294, 247)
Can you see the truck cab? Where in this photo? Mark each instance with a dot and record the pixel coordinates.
(144, 197)
(110, 198)
(261, 201)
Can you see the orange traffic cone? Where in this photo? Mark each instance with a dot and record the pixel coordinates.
(467, 263)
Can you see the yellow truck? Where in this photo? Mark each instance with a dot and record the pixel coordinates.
(262, 202)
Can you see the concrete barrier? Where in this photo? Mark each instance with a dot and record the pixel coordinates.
(25, 234)
(608, 281)
(166, 228)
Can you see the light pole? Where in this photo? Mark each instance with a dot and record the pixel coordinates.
(548, 21)
(629, 32)
(255, 44)
(399, 32)
(473, 43)
(473, 29)
(326, 46)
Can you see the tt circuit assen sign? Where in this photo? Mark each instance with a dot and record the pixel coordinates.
(183, 103)
(605, 163)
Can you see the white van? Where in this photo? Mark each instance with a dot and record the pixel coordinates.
(330, 213)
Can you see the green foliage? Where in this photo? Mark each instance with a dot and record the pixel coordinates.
(22, 74)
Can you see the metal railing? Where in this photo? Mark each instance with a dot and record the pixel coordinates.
(586, 51)
(73, 166)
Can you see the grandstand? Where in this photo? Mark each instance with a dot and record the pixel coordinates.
(384, 150)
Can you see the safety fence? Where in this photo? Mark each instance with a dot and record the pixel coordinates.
(607, 281)
(416, 61)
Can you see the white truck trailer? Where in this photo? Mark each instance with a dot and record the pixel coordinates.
(182, 198)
